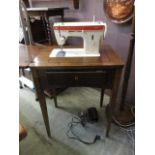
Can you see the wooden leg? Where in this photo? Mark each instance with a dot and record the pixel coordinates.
(36, 95)
(43, 107)
(102, 95)
(55, 101)
(112, 104)
(55, 98)
(109, 119)
(41, 99)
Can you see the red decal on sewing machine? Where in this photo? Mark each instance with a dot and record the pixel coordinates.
(78, 28)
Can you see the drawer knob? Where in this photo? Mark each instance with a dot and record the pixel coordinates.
(76, 78)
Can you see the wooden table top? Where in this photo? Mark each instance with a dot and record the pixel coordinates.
(27, 53)
(108, 59)
(37, 56)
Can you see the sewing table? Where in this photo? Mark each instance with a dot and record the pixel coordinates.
(103, 72)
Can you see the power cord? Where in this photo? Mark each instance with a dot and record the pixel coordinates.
(75, 121)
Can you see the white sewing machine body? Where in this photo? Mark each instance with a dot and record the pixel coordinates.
(91, 32)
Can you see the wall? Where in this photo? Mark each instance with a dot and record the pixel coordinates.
(117, 35)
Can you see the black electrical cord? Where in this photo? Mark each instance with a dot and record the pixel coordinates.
(75, 121)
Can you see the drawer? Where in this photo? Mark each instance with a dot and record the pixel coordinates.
(76, 78)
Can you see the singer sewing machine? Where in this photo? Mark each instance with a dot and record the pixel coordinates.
(91, 32)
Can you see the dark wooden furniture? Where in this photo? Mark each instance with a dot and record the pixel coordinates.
(44, 13)
(104, 72)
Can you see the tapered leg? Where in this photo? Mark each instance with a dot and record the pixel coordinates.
(102, 95)
(55, 98)
(41, 99)
(44, 111)
(109, 118)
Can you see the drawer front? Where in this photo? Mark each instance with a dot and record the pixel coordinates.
(76, 78)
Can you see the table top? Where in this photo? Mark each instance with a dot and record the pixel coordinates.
(108, 59)
(27, 53)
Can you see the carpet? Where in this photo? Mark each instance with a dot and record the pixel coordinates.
(71, 101)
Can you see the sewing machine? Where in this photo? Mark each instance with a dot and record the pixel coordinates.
(91, 32)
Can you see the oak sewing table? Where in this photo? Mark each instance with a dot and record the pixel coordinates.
(103, 72)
